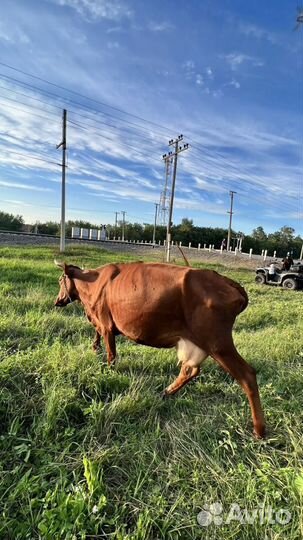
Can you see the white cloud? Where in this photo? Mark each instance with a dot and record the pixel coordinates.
(98, 9)
(15, 202)
(199, 79)
(234, 83)
(121, 165)
(189, 64)
(163, 26)
(257, 32)
(13, 35)
(113, 45)
(237, 59)
(16, 185)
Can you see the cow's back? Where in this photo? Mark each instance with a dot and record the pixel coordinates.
(156, 304)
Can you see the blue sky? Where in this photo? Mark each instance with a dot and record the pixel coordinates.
(226, 74)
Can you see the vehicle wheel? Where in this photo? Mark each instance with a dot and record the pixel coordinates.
(290, 283)
(260, 279)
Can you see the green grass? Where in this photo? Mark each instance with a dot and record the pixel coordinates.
(90, 452)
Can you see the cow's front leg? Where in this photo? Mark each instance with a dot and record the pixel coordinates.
(96, 343)
(110, 345)
(191, 358)
(186, 374)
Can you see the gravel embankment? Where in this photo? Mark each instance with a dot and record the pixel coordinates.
(141, 250)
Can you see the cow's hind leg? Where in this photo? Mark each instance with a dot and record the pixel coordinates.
(96, 342)
(231, 361)
(191, 358)
(110, 344)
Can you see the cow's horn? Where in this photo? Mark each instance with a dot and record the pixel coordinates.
(59, 264)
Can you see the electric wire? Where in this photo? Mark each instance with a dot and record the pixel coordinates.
(201, 150)
(84, 96)
(31, 157)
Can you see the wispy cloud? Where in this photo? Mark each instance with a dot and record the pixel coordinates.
(13, 35)
(257, 32)
(245, 140)
(235, 60)
(162, 26)
(16, 185)
(199, 79)
(189, 68)
(233, 83)
(98, 9)
(113, 45)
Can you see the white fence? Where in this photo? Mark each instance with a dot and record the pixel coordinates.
(101, 235)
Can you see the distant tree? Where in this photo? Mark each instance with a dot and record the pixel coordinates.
(9, 222)
(259, 234)
(287, 234)
(134, 231)
(50, 227)
(282, 241)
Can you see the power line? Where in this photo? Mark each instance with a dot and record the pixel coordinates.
(29, 105)
(68, 100)
(101, 134)
(61, 98)
(230, 164)
(18, 139)
(149, 140)
(143, 130)
(23, 110)
(30, 156)
(84, 96)
(29, 96)
(249, 177)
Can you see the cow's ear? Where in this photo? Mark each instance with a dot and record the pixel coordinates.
(67, 270)
(73, 272)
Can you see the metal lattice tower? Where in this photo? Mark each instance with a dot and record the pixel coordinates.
(165, 194)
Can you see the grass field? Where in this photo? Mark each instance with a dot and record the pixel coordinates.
(91, 452)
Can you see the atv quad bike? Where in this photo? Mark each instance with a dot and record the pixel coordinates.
(288, 279)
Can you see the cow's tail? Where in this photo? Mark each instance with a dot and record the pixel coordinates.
(183, 255)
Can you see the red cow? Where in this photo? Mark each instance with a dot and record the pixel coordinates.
(164, 306)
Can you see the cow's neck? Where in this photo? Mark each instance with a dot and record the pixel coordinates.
(84, 292)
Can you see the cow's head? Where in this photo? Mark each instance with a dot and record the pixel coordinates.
(68, 292)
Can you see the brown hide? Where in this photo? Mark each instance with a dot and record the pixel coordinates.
(163, 305)
(157, 304)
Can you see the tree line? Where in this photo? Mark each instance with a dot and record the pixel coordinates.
(281, 241)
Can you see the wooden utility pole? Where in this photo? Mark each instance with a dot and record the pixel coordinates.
(230, 212)
(177, 151)
(123, 224)
(116, 223)
(155, 223)
(63, 165)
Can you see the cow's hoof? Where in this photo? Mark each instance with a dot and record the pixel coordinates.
(111, 365)
(164, 395)
(260, 433)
